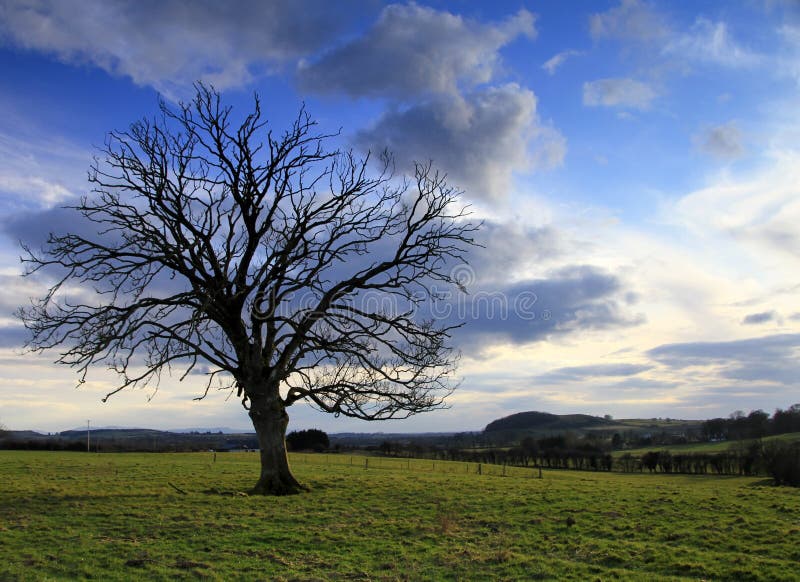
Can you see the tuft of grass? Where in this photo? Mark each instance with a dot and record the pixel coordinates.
(445, 519)
(179, 516)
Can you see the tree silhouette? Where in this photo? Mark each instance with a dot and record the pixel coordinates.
(311, 439)
(282, 269)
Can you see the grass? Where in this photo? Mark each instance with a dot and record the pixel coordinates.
(118, 517)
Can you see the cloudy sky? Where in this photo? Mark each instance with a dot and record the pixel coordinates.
(636, 165)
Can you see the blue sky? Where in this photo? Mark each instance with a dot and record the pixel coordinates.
(637, 166)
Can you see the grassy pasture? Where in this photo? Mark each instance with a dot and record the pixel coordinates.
(116, 517)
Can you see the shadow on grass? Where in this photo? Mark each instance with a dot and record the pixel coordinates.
(224, 492)
(763, 483)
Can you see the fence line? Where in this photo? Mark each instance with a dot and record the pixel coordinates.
(415, 465)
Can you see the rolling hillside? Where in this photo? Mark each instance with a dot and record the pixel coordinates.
(512, 428)
(545, 422)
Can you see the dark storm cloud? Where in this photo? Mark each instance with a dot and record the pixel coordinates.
(13, 336)
(681, 355)
(779, 235)
(783, 370)
(722, 141)
(430, 61)
(644, 384)
(771, 358)
(508, 248)
(414, 50)
(169, 44)
(570, 300)
(481, 139)
(759, 318)
(498, 308)
(33, 228)
(577, 373)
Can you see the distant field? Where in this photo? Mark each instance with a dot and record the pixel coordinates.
(719, 447)
(116, 517)
(652, 424)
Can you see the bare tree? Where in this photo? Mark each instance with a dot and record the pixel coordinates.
(284, 270)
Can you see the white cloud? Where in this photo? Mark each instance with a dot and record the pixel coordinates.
(481, 140)
(705, 42)
(721, 141)
(759, 210)
(171, 44)
(556, 61)
(39, 172)
(15, 292)
(630, 20)
(618, 93)
(789, 59)
(710, 43)
(414, 50)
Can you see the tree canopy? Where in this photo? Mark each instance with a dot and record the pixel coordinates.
(281, 268)
(311, 439)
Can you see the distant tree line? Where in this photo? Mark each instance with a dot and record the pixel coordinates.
(564, 451)
(779, 460)
(737, 426)
(304, 440)
(44, 444)
(162, 442)
(745, 461)
(756, 424)
(782, 462)
(308, 440)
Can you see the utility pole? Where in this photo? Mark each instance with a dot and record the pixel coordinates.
(87, 436)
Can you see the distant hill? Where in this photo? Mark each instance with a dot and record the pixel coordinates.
(534, 421)
(129, 439)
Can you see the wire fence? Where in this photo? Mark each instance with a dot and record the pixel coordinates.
(366, 462)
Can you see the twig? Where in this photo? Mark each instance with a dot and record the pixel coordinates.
(178, 489)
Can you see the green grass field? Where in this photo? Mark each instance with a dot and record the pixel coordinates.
(116, 517)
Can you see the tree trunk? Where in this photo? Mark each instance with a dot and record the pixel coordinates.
(270, 421)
